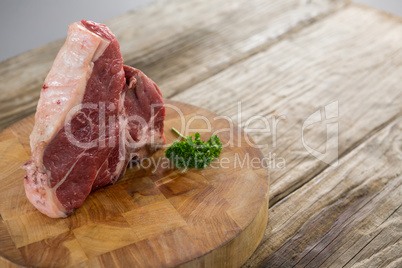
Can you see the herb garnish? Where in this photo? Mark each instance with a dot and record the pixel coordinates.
(192, 151)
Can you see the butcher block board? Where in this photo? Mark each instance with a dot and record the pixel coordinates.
(154, 216)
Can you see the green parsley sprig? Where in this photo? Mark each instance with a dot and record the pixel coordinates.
(192, 152)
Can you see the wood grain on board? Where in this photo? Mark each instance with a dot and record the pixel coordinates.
(154, 216)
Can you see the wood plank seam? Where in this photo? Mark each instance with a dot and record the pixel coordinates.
(302, 24)
(268, 45)
(347, 222)
(273, 198)
(370, 241)
(359, 73)
(27, 103)
(331, 204)
(373, 237)
(376, 194)
(356, 144)
(379, 197)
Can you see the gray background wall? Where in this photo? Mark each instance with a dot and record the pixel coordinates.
(26, 24)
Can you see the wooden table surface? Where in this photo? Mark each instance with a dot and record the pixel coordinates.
(335, 200)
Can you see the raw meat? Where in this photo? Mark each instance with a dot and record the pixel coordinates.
(93, 116)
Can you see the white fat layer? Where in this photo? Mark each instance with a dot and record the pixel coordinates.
(65, 85)
(122, 137)
(40, 195)
(101, 48)
(63, 90)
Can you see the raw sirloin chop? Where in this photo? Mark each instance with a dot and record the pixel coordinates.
(94, 114)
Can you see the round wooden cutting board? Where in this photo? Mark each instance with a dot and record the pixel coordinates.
(154, 216)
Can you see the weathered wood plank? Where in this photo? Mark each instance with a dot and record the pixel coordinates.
(349, 215)
(376, 247)
(352, 60)
(177, 43)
